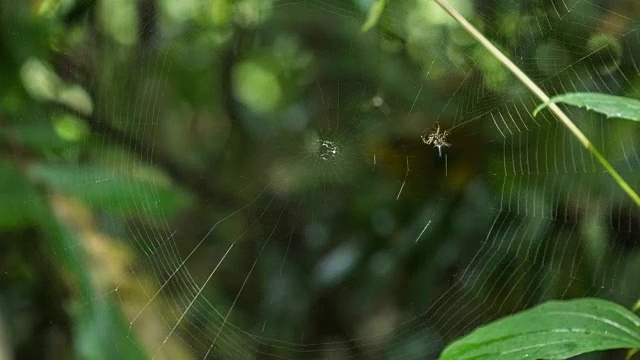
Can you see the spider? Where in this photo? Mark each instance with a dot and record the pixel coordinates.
(437, 138)
(327, 149)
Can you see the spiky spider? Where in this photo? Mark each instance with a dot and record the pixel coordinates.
(436, 138)
(327, 150)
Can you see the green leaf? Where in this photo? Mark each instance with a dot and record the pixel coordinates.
(374, 15)
(16, 197)
(112, 191)
(100, 329)
(102, 332)
(609, 105)
(554, 330)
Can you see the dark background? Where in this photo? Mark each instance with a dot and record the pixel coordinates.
(146, 142)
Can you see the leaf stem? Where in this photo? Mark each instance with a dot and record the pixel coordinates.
(444, 4)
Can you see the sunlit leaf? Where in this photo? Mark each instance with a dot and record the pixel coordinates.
(257, 86)
(609, 105)
(374, 15)
(554, 330)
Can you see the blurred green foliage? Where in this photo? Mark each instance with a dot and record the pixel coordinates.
(143, 140)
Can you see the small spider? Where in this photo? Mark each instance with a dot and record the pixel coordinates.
(437, 138)
(327, 150)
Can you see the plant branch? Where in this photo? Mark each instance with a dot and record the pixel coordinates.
(444, 4)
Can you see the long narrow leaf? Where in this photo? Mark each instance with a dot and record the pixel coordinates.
(554, 330)
(374, 15)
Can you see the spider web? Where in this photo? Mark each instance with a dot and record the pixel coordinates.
(328, 229)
